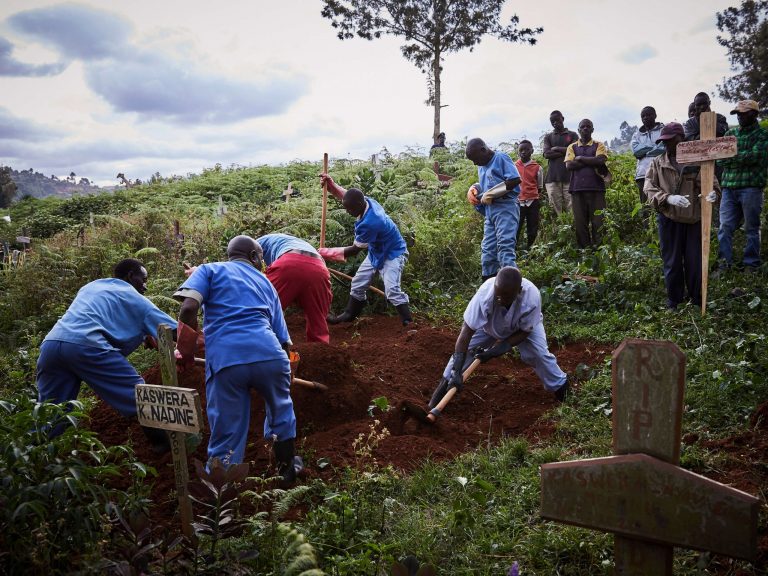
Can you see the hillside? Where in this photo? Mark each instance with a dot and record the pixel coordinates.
(36, 185)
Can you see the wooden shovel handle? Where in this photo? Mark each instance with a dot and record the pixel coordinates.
(348, 277)
(452, 392)
(300, 381)
(325, 203)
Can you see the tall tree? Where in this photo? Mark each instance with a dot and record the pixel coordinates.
(747, 44)
(431, 29)
(7, 187)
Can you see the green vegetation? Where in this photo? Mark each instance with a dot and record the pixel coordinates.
(475, 515)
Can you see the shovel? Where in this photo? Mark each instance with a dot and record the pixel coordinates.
(411, 409)
(307, 383)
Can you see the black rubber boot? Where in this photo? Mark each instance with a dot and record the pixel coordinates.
(489, 277)
(158, 440)
(352, 311)
(439, 392)
(285, 455)
(405, 313)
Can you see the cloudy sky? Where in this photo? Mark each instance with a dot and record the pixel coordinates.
(175, 86)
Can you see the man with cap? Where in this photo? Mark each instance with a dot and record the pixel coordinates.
(674, 191)
(743, 181)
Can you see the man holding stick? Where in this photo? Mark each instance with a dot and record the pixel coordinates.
(387, 252)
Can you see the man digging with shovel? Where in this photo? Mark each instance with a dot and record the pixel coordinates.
(505, 312)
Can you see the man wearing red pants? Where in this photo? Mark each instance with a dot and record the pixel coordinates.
(300, 277)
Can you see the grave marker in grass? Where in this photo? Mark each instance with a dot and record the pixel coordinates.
(705, 151)
(641, 494)
(176, 410)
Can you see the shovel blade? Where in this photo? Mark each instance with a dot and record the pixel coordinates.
(410, 409)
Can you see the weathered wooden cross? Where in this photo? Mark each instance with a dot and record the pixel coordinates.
(221, 209)
(705, 151)
(176, 410)
(641, 494)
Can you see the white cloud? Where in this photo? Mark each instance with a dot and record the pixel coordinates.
(178, 85)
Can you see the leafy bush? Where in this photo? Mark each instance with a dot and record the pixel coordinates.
(56, 492)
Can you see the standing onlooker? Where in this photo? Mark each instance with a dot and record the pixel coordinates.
(743, 181)
(496, 194)
(701, 103)
(583, 159)
(247, 346)
(674, 192)
(691, 110)
(555, 145)
(439, 143)
(645, 148)
(532, 183)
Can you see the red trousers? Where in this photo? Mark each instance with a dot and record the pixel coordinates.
(305, 281)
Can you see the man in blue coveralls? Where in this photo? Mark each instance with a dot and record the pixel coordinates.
(504, 312)
(496, 197)
(387, 253)
(247, 346)
(108, 319)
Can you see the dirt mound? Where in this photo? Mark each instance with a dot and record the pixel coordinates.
(375, 357)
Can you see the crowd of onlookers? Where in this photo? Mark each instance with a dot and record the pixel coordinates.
(576, 178)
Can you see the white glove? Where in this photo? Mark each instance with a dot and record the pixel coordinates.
(677, 200)
(711, 197)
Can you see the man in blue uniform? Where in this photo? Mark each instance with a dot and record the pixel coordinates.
(298, 273)
(108, 319)
(496, 196)
(387, 252)
(504, 313)
(246, 343)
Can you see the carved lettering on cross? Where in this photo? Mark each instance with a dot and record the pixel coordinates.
(641, 495)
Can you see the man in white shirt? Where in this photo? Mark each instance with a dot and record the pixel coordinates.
(504, 312)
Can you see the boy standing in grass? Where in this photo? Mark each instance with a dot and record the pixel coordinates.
(531, 185)
(497, 194)
(387, 253)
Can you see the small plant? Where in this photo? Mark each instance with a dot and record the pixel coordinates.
(365, 444)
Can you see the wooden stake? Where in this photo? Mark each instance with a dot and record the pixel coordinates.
(325, 203)
(707, 122)
(348, 277)
(178, 444)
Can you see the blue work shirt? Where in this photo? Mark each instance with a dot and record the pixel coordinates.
(275, 245)
(484, 312)
(499, 169)
(109, 314)
(243, 320)
(376, 231)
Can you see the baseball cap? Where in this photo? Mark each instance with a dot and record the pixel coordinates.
(670, 131)
(745, 106)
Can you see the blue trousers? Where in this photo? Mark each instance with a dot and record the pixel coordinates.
(533, 351)
(681, 254)
(62, 366)
(735, 204)
(502, 218)
(229, 406)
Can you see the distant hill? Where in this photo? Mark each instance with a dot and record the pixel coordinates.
(37, 185)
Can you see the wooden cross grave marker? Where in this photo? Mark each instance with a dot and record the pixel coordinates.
(177, 410)
(705, 151)
(641, 495)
